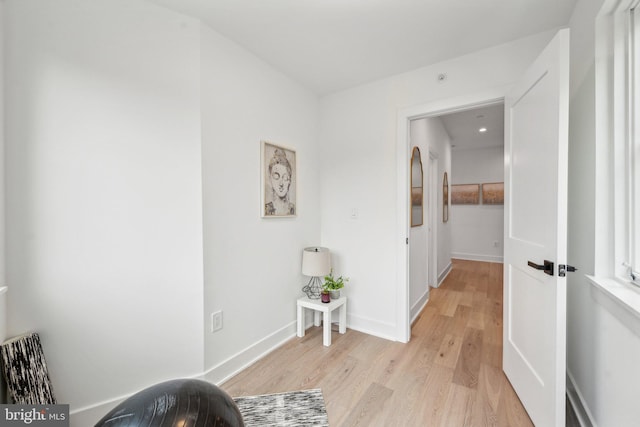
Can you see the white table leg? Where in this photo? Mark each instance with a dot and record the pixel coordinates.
(301, 328)
(342, 326)
(316, 317)
(326, 328)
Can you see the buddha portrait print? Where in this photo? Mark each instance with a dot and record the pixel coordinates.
(278, 181)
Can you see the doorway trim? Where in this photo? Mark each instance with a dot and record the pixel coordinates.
(403, 153)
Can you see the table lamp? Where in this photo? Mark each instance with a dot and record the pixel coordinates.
(316, 262)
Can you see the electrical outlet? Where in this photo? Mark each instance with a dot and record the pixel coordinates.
(216, 321)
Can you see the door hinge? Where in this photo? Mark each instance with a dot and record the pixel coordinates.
(407, 240)
(564, 269)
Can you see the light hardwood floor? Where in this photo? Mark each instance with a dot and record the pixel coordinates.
(449, 374)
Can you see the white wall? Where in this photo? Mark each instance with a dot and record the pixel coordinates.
(475, 229)
(3, 289)
(358, 136)
(104, 213)
(252, 264)
(602, 347)
(430, 136)
(2, 196)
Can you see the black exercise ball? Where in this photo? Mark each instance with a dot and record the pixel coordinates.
(176, 403)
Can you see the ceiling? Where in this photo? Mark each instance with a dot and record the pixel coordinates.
(463, 127)
(330, 45)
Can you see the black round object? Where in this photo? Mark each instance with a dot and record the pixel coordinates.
(176, 403)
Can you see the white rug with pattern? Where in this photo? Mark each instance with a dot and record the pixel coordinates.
(296, 408)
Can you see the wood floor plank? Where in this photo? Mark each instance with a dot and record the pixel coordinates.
(405, 403)
(483, 415)
(434, 397)
(490, 385)
(458, 325)
(367, 411)
(449, 374)
(495, 278)
(466, 297)
(493, 321)
(510, 409)
(418, 360)
(491, 354)
(476, 319)
(451, 300)
(459, 405)
(449, 351)
(424, 319)
(467, 370)
(435, 334)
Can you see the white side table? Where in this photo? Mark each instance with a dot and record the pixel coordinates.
(326, 309)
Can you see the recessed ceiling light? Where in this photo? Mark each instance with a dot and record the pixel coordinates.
(481, 130)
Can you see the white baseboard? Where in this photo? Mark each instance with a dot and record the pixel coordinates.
(477, 257)
(225, 370)
(443, 274)
(373, 327)
(579, 407)
(418, 306)
(90, 415)
(247, 357)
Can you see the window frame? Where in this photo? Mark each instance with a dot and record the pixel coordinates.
(633, 142)
(617, 161)
(626, 144)
(615, 168)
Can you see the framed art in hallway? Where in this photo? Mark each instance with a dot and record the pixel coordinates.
(465, 194)
(278, 165)
(493, 193)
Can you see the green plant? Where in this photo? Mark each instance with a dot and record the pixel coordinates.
(333, 284)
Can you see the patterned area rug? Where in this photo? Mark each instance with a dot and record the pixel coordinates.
(296, 408)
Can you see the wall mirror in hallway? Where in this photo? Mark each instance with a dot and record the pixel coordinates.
(445, 198)
(416, 188)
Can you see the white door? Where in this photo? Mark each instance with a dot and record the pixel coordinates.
(536, 144)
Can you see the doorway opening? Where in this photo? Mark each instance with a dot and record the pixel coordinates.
(477, 164)
(443, 155)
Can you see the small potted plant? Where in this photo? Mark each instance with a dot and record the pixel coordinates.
(325, 296)
(334, 285)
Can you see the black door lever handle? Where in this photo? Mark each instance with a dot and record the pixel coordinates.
(536, 266)
(547, 268)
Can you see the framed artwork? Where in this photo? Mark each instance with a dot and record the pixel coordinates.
(278, 181)
(465, 194)
(416, 188)
(493, 193)
(445, 198)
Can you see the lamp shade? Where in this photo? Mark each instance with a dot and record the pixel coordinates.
(316, 261)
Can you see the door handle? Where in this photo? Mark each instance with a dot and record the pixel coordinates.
(547, 267)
